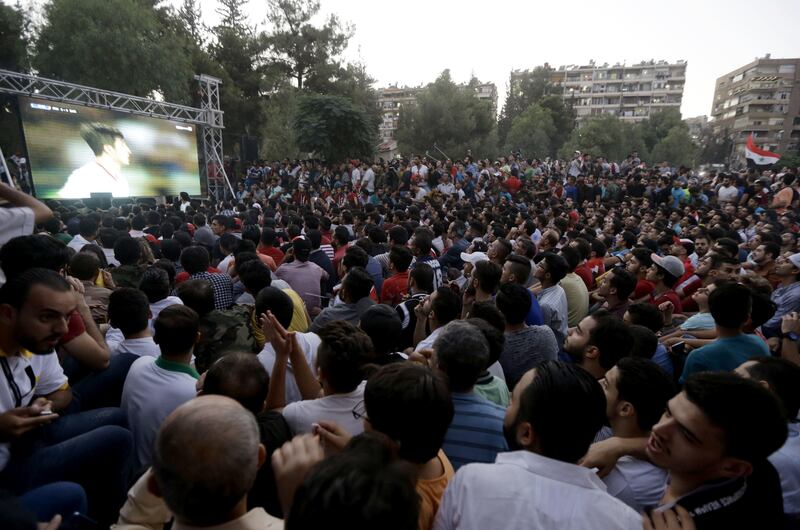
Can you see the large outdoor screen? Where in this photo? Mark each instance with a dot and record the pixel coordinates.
(74, 151)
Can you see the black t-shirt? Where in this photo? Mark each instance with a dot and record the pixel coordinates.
(636, 190)
(408, 318)
(274, 433)
(752, 502)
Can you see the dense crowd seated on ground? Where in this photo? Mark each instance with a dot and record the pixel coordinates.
(404, 344)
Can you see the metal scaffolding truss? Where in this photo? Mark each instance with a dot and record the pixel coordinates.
(40, 87)
(209, 117)
(214, 167)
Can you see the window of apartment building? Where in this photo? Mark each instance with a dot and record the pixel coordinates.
(786, 69)
(783, 95)
(776, 121)
(756, 122)
(737, 78)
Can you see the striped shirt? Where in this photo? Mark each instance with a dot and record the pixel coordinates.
(476, 433)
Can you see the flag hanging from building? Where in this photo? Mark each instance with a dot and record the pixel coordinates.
(759, 157)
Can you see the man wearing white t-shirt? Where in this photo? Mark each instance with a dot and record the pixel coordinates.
(128, 311)
(343, 351)
(275, 301)
(727, 192)
(157, 386)
(129, 339)
(637, 391)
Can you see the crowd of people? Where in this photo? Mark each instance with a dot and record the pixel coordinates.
(407, 344)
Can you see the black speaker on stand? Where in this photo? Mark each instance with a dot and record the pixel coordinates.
(249, 148)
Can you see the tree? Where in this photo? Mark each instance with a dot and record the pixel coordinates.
(237, 50)
(354, 83)
(600, 136)
(277, 131)
(714, 149)
(13, 38)
(306, 53)
(333, 128)
(563, 116)
(532, 133)
(525, 88)
(191, 17)
(450, 116)
(658, 125)
(118, 45)
(676, 148)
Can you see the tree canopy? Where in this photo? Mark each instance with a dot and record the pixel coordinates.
(121, 45)
(333, 128)
(450, 116)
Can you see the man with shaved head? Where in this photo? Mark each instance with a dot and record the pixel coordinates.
(206, 457)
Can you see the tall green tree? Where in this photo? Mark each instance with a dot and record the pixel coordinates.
(714, 149)
(237, 50)
(525, 88)
(14, 38)
(191, 16)
(118, 45)
(563, 116)
(332, 128)
(658, 125)
(278, 139)
(600, 136)
(532, 133)
(309, 54)
(450, 116)
(677, 148)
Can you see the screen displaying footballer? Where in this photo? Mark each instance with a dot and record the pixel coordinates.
(74, 151)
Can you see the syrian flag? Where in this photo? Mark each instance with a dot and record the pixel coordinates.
(759, 157)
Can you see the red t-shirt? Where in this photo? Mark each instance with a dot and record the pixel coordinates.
(275, 253)
(597, 267)
(513, 184)
(687, 286)
(75, 328)
(585, 274)
(643, 288)
(394, 289)
(668, 296)
(338, 254)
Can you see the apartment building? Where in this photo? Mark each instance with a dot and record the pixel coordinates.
(763, 98)
(630, 92)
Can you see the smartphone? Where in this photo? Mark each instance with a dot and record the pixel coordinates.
(679, 348)
(78, 521)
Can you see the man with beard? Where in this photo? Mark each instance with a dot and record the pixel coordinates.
(764, 257)
(40, 446)
(555, 412)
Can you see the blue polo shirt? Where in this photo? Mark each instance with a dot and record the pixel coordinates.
(534, 317)
(724, 354)
(476, 433)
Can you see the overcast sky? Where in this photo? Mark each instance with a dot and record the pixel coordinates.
(409, 42)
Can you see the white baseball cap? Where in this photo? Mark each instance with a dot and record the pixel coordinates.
(474, 257)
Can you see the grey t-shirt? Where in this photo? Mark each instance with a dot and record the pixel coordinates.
(526, 349)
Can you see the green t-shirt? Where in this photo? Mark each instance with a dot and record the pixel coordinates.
(494, 389)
